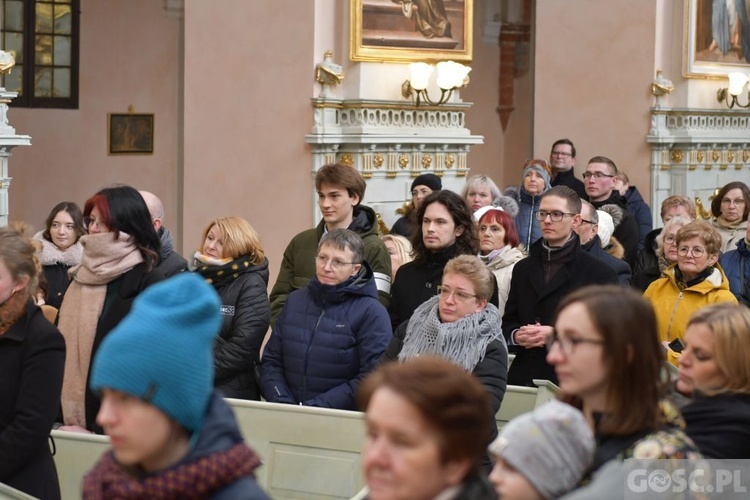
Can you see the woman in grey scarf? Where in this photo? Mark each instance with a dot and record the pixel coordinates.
(459, 324)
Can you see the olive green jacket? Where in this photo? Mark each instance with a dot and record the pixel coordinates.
(298, 264)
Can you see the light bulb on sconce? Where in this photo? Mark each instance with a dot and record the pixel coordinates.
(450, 76)
(729, 95)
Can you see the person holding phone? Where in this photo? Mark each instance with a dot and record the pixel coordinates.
(693, 282)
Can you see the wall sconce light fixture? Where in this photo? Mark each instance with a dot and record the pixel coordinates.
(728, 95)
(450, 76)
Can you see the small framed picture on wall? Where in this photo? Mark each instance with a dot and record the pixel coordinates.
(130, 134)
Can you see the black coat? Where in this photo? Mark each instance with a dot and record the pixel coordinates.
(568, 178)
(57, 279)
(32, 363)
(120, 296)
(416, 282)
(720, 425)
(246, 314)
(531, 301)
(646, 269)
(626, 231)
(594, 248)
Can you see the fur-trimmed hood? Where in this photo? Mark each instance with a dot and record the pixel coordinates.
(50, 254)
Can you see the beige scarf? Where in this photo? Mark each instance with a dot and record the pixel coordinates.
(104, 260)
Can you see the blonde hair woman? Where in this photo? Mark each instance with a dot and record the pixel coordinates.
(231, 259)
(399, 248)
(715, 371)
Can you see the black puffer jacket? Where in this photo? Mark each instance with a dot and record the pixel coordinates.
(246, 314)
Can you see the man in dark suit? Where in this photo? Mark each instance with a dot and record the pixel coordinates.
(588, 233)
(556, 266)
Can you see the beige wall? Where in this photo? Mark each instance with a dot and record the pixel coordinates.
(594, 66)
(248, 73)
(128, 56)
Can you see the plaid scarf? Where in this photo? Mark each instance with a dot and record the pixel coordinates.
(197, 479)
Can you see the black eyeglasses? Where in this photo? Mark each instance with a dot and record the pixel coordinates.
(555, 215)
(561, 153)
(569, 344)
(596, 175)
(584, 221)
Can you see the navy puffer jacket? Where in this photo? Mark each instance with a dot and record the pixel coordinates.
(326, 339)
(736, 265)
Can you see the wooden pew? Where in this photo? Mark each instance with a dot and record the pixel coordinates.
(308, 452)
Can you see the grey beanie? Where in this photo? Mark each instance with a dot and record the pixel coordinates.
(552, 447)
(539, 169)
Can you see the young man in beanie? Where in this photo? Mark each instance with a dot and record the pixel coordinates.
(421, 187)
(340, 193)
(542, 454)
(172, 435)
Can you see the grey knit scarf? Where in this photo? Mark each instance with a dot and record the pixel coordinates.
(464, 342)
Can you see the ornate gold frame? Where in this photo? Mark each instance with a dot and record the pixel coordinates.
(360, 52)
(692, 67)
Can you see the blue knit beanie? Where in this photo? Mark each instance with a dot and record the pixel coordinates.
(162, 351)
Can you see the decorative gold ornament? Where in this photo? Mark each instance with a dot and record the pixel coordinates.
(677, 155)
(426, 161)
(745, 155)
(378, 161)
(692, 167)
(449, 160)
(730, 156)
(715, 155)
(700, 156)
(347, 159)
(390, 175)
(403, 160)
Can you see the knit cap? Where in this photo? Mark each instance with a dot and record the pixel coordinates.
(432, 181)
(162, 351)
(606, 227)
(552, 447)
(542, 168)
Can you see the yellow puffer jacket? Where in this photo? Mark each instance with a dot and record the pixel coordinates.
(674, 307)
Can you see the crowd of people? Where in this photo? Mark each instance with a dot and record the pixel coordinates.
(106, 328)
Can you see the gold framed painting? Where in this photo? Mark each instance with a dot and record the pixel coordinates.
(717, 38)
(130, 134)
(410, 30)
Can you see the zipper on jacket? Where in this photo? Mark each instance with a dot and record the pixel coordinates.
(671, 318)
(307, 356)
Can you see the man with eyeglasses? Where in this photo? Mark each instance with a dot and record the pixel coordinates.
(330, 333)
(588, 233)
(556, 266)
(599, 181)
(562, 158)
(340, 193)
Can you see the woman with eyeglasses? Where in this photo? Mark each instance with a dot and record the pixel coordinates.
(693, 282)
(331, 333)
(666, 253)
(715, 372)
(535, 181)
(231, 259)
(730, 209)
(460, 325)
(606, 354)
(119, 256)
(60, 249)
